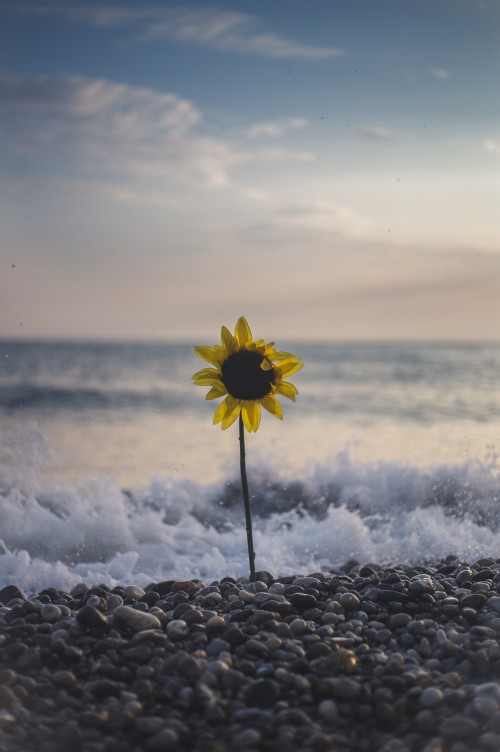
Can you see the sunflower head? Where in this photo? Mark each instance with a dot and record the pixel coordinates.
(248, 373)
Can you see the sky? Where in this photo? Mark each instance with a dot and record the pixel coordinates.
(329, 169)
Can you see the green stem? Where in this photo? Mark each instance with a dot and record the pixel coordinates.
(246, 502)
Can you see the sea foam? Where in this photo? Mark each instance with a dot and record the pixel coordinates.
(307, 519)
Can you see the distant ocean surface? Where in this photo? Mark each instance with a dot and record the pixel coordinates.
(111, 471)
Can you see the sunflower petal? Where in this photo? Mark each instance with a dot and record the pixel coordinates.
(206, 381)
(266, 365)
(259, 344)
(206, 372)
(272, 406)
(229, 342)
(250, 412)
(211, 354)
(288, 368)
(286, 389)
(220, 412)
(242, 332)
(282, 355)
(233, 409)
(218, 390)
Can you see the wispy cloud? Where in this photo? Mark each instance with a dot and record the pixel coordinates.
(492, 146)
(442, 74)
(211, 27)
(95, 128)
(376, 133)
(322, 216)
(275, 128)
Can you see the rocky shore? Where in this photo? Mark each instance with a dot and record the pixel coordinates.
(363, 659)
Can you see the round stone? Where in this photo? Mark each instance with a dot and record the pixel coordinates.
(328, 710)
(132, 591)
(399, 620)
(177, 629)
(90, 617)
(349, 601)
(134, 619)
(431, 697)
(249, 737)
(164, 740)
(64, 679)
(302, 601)
(50, 613)
(262, 694)
(298, 626)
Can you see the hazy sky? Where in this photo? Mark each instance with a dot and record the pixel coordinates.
(329, 169)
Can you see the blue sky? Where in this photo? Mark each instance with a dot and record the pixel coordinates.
(328, 169)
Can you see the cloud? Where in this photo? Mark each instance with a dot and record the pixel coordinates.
(211, 28)
(322, 216)
(96, 127)
(492, 146)
(442, 74)
(274, 129)
(376, 133)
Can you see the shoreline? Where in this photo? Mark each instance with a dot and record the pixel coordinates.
(366, 658)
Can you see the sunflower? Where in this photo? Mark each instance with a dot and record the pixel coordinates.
(247, 374)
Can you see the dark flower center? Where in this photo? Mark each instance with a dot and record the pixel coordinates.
(243, 377)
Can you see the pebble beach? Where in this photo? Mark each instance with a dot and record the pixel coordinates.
(364, 658)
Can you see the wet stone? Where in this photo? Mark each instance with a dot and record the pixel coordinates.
(494, 603)
(431, 697)
(177, 629)
(249, 737)
(401, 659)
(263, 693)
(136, 621)
(474, 601)
(399, 620)
(165, 739)
(349, 601)
(345, 689)
(50, 613)
(302, 601)
(133, 591)
(90, 618)
(9, 592)
(458, 728)
(64, 679)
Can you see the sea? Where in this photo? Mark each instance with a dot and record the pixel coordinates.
(111, 471)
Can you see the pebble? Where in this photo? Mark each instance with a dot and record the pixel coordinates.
(431, 697)
(365, 658)
(177, 629)
(135, 620)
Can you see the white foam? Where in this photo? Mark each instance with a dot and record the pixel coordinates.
(319, 517)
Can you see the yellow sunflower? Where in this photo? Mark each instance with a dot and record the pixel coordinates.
(248, 374)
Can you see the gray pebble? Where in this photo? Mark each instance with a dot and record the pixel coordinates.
(328, 710)
(165, 739)
(403, 658)
(494, 603)
(349, 601)
(249, 737)
(431, 697)
(177, 629)
(262, 694)
(132, 591)
(135, 620)
(50, 613)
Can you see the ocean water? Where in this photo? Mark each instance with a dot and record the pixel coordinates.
(111, 471)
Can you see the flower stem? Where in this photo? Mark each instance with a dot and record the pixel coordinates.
(246, 502)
